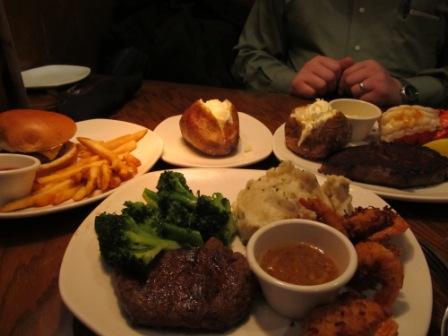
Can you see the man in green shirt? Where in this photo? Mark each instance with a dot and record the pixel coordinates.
(388, 52)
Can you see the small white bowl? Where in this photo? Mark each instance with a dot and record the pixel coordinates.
(361, 114)
(295, 301)
(17, 173)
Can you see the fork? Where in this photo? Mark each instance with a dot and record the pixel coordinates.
(443, 327)
(430, 252)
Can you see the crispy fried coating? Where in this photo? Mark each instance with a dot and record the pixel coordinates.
(370, 223)
(350, 315)
(324, 213)
(374, 224)
(380, 267)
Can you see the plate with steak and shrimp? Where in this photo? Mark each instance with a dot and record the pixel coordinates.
(166, 254)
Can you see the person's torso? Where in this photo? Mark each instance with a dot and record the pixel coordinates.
(405, 36)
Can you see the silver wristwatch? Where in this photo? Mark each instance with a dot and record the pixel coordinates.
(409, 94)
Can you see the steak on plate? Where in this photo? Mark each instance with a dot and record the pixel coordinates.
(208, 288)
(389, 164)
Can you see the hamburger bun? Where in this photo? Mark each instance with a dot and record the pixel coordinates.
(67, 155)
(42, 134)
(212, 127)
(27, 131)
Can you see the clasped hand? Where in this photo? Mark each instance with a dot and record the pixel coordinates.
(324, 75)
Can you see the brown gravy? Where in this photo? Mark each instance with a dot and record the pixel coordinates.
(7, 168)
(299, 263)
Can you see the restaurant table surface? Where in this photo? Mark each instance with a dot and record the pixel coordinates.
(31, 249)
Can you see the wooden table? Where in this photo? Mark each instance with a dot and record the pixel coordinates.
(31, 250)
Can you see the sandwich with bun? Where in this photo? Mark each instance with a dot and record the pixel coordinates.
(43, 134)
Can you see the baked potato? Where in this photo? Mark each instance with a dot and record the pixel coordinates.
(212, 127)
(316, 131)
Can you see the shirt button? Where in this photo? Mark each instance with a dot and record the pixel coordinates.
(357, 47)
(362, 10)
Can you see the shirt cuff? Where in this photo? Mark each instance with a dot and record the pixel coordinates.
(281, 81)
(430, 89)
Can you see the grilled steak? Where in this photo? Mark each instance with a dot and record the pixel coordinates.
(210, 288)
(389, 164)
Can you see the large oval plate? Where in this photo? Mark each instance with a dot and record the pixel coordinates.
(436, 193)
(86, 288)
(148, 151)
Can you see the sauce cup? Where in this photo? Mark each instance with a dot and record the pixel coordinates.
(291, 300)
(17, 173)
(362, 116)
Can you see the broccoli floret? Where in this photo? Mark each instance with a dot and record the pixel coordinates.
(176, 201)
(172, 223)
(210, 215)
(129, 245)
(151, 198)
(172, 186)
(213, 214)
(168, 219)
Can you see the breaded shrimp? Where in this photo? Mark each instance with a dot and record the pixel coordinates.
(324, 213)
(350, 315)
(378, 265)
(374, 224)
(363, 224)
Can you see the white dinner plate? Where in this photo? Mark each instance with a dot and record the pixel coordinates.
(55, 75)
(148, 151)
(436, 193)
(86, 288)
(255, 144)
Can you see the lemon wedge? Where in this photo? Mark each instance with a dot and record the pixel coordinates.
(440, 145)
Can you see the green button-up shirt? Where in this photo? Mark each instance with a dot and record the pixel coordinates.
(409, 38)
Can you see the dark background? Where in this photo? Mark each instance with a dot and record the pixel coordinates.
(184, 41)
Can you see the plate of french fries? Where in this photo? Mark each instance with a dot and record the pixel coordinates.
(109, 154)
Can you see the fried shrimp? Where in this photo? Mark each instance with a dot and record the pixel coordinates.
(363, 224)
(374, 224)
(380, 267)
(324, 213)
(350, 315)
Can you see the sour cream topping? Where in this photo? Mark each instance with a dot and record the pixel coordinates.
(221, 110)
(312, 116)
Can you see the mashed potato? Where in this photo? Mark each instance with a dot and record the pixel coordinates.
(275, 196)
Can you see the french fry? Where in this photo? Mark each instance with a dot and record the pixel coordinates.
(100, 165)
(105, 176)
(80, 193)
(115, 181)
(21, 203)
(127, 147)
(92, 179)
(125, 172)
(40, 199)
(90, 186)
(43, 199)
(66, 194)
(83, 152)
(132, 160)
(99, 149)
(67, 172)
(114, 143)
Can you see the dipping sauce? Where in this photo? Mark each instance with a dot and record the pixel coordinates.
(300, 264)
(7, 168)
